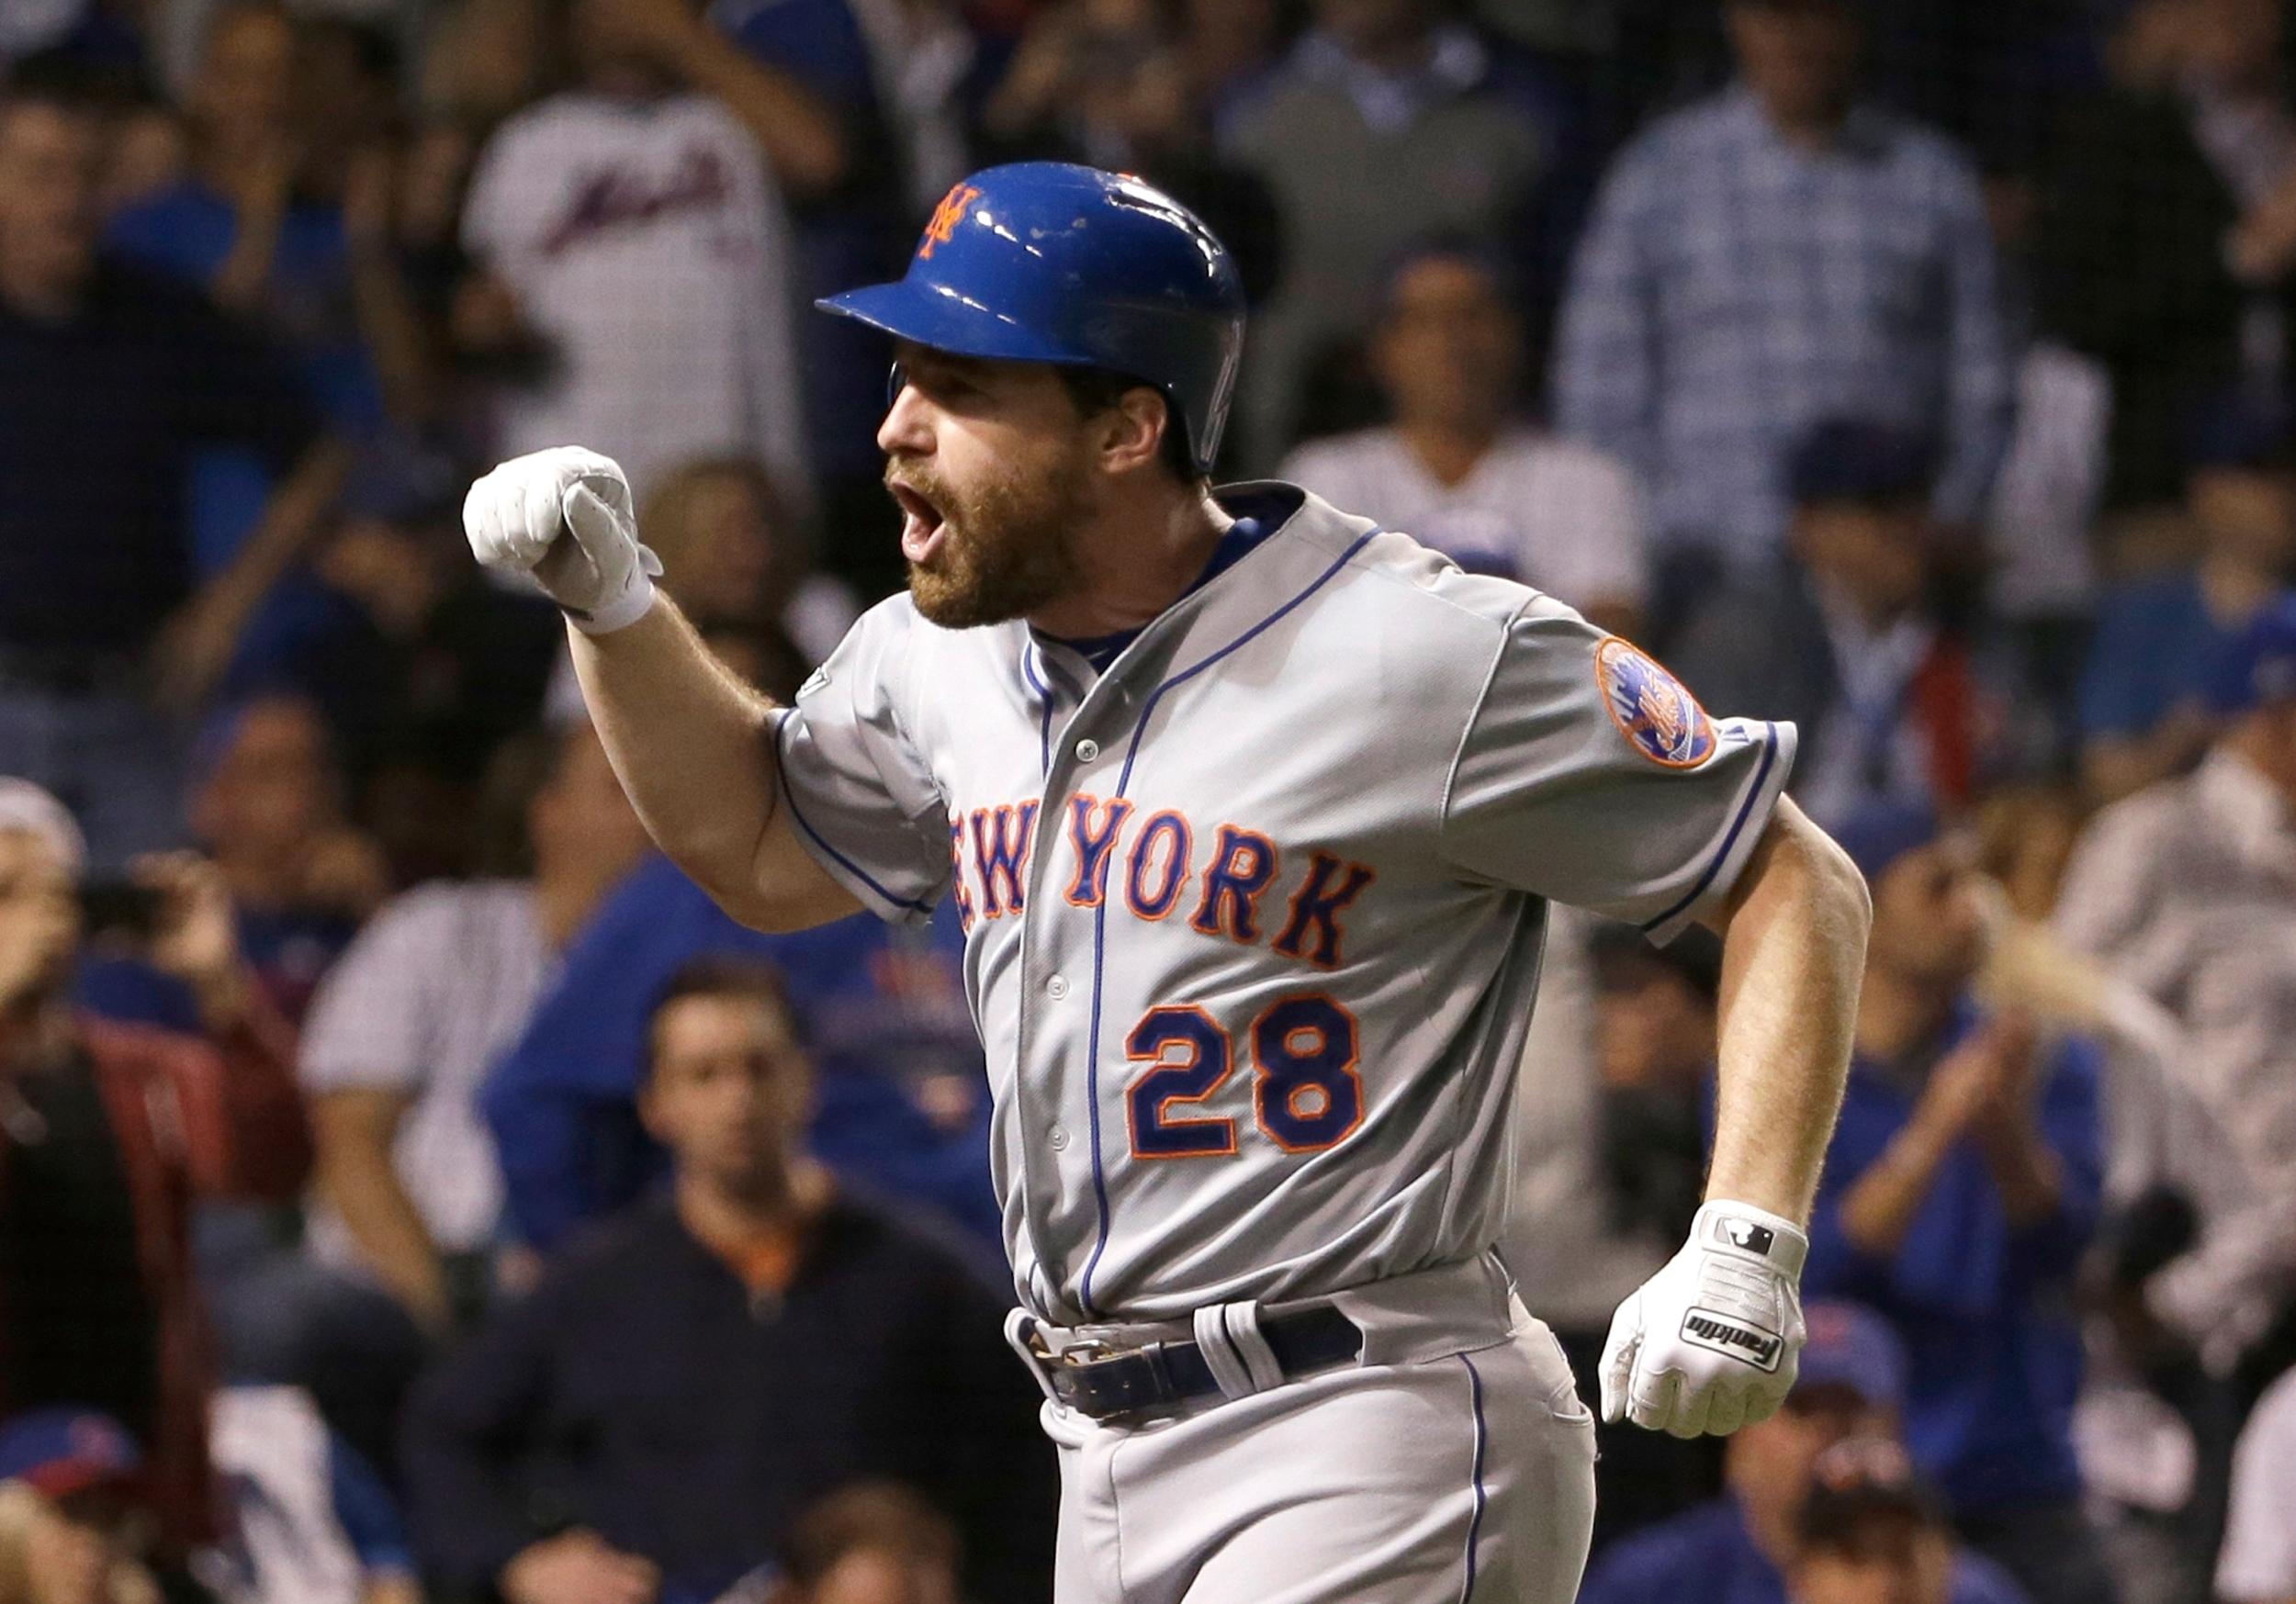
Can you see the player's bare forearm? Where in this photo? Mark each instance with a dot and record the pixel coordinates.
(692, 746)
(1793, 953)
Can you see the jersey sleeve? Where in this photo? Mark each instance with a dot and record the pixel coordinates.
(1588, 774)
(863, 799)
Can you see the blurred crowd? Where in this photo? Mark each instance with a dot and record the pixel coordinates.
(412, 1188)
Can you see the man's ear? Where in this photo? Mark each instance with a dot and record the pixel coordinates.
(1133, 430)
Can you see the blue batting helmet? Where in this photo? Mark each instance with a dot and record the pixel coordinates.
(1046, 262)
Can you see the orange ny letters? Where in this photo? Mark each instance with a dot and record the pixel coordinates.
(945, 217)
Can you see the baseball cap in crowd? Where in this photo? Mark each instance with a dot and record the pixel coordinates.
(2241, 428)
(2260, 664)
(63, 1451)
(25, 806)
(1850, 1346)
(1877, 834)
(1858, 1481)
(1868, 464)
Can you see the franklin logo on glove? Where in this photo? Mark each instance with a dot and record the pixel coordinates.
(1709, 1329)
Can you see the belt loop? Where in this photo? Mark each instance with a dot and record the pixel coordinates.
(1227, 1366)
(1020, 1332)
(1228, 1335)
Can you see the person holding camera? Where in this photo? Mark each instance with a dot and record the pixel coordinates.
(108, 1134)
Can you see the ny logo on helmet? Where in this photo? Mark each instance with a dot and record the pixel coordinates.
(945, 218)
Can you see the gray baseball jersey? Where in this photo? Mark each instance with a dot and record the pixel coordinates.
(1254, 916)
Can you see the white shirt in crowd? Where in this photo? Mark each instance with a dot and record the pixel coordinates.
(647, 244)
(432, 994)
(2259, 1562)
(1555, 514)
(2184, 891)
(288, 1542)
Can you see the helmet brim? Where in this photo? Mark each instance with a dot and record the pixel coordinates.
(939, 317)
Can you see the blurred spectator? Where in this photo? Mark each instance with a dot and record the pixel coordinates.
(69, 1529)
(902, 1101)
(1842, 638)
(855, 103)
(735, 560)
(760, 1332)
(108, 1134)
(109, 378)
(2042, 519)
(434, 991)
(1101, 77)
(2168, 227)
(312, 1523)
(2186, 891)
(1871, 1532)
(632, 228)
(1387, 124)
(2258, 1564)
(270, 809)
(1963, 1183)
(1610, 1156)
(1133, 86)
(1654, 1040)
(1495, 495)
(732, 549)
(420, 664)
(1737, 1548)
(402, 1236)
(2159, 639)
(870, 1544)
(1783, 254)
(287, 214)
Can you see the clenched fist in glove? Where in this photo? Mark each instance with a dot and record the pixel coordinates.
(564, 517)
(1713, 1340)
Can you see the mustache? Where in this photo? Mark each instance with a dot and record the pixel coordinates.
(916, 483)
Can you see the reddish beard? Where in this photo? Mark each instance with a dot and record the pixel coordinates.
(1006, 549)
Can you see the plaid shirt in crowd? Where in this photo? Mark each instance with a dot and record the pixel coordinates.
(1734, 289)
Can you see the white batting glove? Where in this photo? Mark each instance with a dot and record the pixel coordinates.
(1713, 1340)
(563, 517)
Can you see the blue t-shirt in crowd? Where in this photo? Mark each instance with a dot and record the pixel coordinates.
(880, 1007)
(2154, 648)
(187, 231)
(1708, 1555)
(859, 233)
(1993, 1349)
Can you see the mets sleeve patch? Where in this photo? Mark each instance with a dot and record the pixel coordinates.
(1652, 709)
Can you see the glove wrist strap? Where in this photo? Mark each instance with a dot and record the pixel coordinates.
(1749, 1233)
(626, 606)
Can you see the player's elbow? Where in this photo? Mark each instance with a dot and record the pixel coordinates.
(771, 884)
(1796, 864)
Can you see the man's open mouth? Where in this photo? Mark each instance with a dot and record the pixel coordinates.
(921, 527)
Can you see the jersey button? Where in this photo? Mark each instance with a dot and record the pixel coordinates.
(1058, 1137)
(1056, 988)
(1086, 750)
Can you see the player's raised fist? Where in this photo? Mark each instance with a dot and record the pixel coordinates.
(564, 517)
(1714, 1339)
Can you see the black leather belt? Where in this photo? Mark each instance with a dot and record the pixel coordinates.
(1164, 1373)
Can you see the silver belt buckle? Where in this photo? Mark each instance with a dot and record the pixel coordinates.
(1091, 1351)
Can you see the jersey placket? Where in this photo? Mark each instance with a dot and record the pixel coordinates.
(1077, 728)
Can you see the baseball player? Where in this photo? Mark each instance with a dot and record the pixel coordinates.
(1251, 811)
